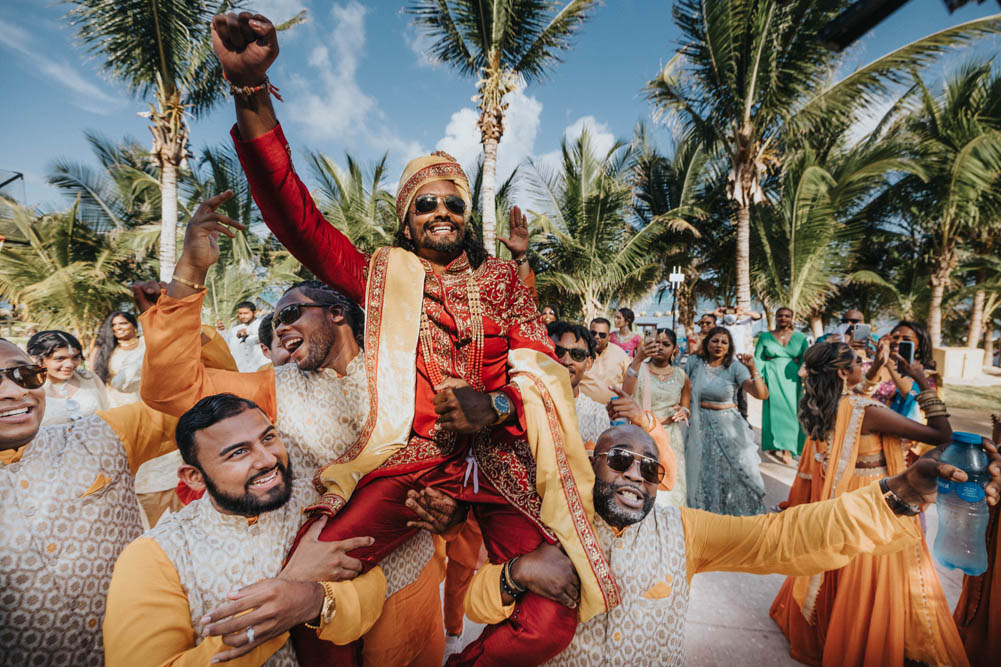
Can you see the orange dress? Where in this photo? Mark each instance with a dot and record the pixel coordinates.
(978, 612)
(877, 610)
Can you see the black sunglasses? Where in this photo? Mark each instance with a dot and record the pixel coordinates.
(428, 203)
(621, 460)
(599, 334)
(850, 320)
(576, 353)
(292, 312)
(27, 376)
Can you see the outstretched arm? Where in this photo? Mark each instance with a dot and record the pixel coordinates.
(246, 45)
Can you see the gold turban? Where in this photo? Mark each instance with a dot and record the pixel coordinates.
(439, 166)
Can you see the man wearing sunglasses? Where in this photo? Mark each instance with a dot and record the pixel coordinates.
(67, 509)
(318, 403)
(655, 550)
(610, 364)
(460, 366)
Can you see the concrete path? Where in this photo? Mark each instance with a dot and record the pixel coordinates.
(728, 621)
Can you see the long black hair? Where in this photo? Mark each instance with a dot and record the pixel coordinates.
(45, 343)
(822, 387)
(704, 348)
(106, 343)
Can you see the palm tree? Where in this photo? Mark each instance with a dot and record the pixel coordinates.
(499, 42)
(751, 72)
(357, 205)
(160, 49)
(958, 138)
(65, 275)
(590, 255)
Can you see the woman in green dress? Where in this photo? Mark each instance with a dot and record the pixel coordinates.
(779, 355)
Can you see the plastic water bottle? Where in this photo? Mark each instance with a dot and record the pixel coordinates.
(620, 420)
(962, 508)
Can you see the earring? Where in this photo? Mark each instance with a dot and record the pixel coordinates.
(844, 387)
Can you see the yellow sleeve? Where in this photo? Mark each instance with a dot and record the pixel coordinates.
(177, 362)
(147, 615)
(358, 606)
(483, 597)
(144, 432)
(215, 352)
(802, 540)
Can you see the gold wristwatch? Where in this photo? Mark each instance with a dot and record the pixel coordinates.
(329, 608)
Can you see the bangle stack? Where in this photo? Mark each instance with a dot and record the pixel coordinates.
(631, 372)
(508, 584)
(247, 91)
(932, 405)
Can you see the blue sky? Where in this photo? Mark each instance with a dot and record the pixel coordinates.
(355, 78)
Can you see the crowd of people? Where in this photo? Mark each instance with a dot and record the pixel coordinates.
(294, 490)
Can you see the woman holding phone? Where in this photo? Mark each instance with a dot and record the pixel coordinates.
(884, 379)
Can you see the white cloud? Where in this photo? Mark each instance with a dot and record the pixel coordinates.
(602, 141)
(420, 43)
(521, 126)
(87, 95)
(278, 11)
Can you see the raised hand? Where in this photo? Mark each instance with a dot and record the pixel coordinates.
(201, 237)
(145, 294)
(626, 407)
(246, 45)
(747, 360)
(517, 242)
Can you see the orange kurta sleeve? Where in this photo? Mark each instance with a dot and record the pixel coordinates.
(145, 433)
(175, 376)
(667, 458)
(802, 540)
(148, 618)
(215, 351)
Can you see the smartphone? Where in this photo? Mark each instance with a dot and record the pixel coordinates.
(731, 311)
(862, 332)
(905, 349)
(649, 336)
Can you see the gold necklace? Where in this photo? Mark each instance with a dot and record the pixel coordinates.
(133, 345)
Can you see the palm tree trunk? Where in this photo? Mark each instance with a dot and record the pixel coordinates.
(816, 326)
(168, 215)
(976, 314)
(989, 345)
(488, 196)
(939, 278)
(744, 255)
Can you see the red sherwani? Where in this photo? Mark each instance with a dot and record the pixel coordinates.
(507, 505)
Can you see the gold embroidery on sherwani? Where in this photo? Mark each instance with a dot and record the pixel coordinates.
(648, 628)
(58, 543)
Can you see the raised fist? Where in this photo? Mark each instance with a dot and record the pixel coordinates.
(246, 45)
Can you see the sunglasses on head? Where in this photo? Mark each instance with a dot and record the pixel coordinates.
(599, 334)
(428, 203)
(27, 376)
(576, 354)
(621, 460)
(292, 312)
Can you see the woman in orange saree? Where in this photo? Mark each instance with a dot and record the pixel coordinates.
(878, 610)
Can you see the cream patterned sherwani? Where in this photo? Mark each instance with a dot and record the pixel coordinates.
(319, 416)
(68, 510)
(215, 554)
(592, 419)
(648, 628)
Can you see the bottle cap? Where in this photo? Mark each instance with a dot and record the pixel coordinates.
(964, 438)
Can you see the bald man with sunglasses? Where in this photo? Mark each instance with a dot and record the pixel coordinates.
(67, 509)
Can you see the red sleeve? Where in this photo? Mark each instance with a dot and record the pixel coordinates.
(289, 211)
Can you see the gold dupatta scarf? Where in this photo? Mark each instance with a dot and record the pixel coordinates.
(564, 478)
(838, 469)
(396, 281)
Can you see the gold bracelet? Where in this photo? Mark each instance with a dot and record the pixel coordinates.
(188, 283)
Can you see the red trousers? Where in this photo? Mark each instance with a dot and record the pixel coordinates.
(537, 630)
